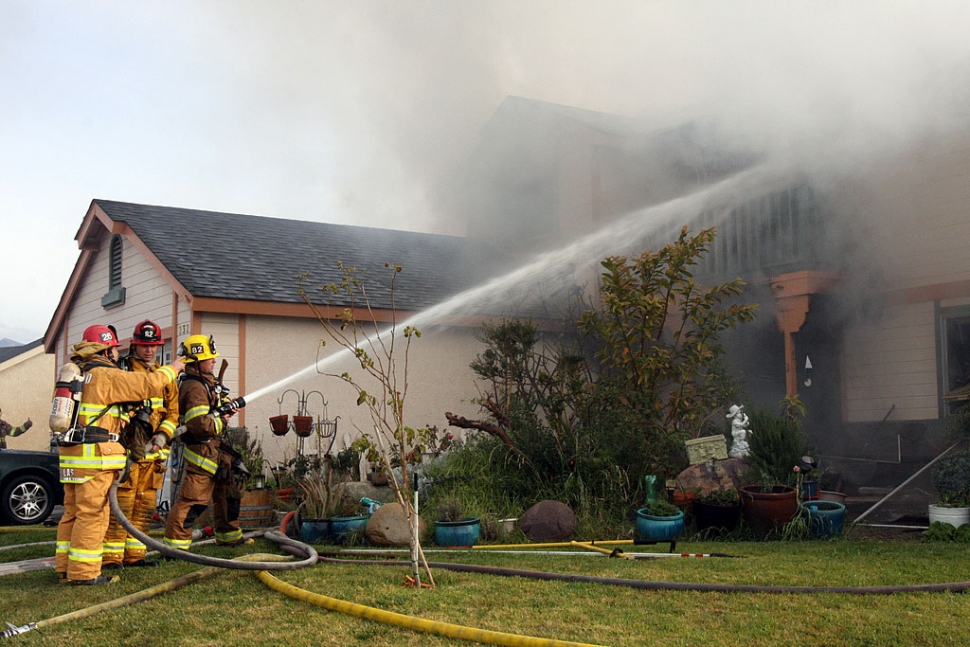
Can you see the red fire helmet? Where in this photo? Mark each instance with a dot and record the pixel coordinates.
(147, 333)
(101, 334)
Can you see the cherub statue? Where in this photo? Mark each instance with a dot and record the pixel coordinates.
(739, 431)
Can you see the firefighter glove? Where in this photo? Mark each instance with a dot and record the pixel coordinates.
(160, 440)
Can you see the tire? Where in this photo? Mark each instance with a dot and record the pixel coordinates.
(27, 500)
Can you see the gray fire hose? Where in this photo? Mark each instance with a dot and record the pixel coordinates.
(174, 553)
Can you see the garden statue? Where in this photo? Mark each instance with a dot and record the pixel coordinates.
(739, 432)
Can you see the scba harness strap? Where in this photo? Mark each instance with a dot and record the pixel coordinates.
(90, 434)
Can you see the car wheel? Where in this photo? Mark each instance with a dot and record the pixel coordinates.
(27, 500)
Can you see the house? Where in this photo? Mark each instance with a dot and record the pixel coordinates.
(239, 278)
(862, 278)
(26, 383)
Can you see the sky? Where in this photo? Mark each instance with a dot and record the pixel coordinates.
(359, 112)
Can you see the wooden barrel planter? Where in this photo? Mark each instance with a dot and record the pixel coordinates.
(766, 510)
(256, 509)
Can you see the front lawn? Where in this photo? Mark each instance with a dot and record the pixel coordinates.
(236, 608)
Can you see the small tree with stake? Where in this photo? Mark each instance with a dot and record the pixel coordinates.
(385, 363)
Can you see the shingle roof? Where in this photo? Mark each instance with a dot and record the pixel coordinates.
(9, 352)
(234, 256)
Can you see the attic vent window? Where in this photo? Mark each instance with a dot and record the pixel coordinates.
(116, 292)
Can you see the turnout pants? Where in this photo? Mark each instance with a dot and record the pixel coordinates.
(136, 497)
(81, 530)
(200, 488)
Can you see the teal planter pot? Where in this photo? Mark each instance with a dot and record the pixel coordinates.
(825, 518)
(651, 528)
(342, 527)
(458, 533)
(313, 531)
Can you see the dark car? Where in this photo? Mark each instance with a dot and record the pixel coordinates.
(30, 486)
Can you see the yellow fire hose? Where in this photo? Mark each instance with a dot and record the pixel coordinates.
(597, 549)
(410, 622)
(133, 598)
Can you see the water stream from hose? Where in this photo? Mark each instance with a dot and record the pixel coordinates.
(559, 268)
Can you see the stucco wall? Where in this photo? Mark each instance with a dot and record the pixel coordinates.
(277, 348)
(26, 382)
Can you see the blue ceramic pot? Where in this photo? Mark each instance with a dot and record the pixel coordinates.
(342, 527)
(314, 530)
(653, 528)
(458, 533)
(825, 518)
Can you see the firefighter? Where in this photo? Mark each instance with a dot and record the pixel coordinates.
(150, 432)
(6, 429)
(208, 471)
(91, 456)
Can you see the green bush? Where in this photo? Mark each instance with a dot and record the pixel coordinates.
(951, 478)
(776, 443)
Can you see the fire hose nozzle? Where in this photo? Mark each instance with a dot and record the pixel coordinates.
(230, 407)
(14, 630)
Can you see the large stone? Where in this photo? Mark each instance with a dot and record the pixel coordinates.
(712, 476)
(548, 521)
(388, 526)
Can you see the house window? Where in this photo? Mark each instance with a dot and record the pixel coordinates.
(955, 357)
(116, 292)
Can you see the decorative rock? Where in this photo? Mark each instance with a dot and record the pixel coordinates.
(388, 526)
(712, 476)
(548, 521)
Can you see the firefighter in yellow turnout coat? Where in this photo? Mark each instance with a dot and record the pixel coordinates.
(157, 420)
(91, 456)
(207, 469)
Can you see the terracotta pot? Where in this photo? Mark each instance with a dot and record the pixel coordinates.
(284, 494)
(303, 425)
(827, 495)
(280, 424)
(683, 500)
(766, 510)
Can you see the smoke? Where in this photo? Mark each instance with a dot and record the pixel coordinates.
(406, 88)
(366, 112)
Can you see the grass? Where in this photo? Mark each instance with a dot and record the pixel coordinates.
(235, 608)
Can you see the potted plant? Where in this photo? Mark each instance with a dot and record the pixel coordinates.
(453, 528)
(348, 520)
(346, 463)
(951, 478)
(830, 486)
(777, 446)
(719, 509)
(660, 521)
(320, 500)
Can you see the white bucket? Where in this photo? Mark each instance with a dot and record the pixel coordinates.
(956, 517)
